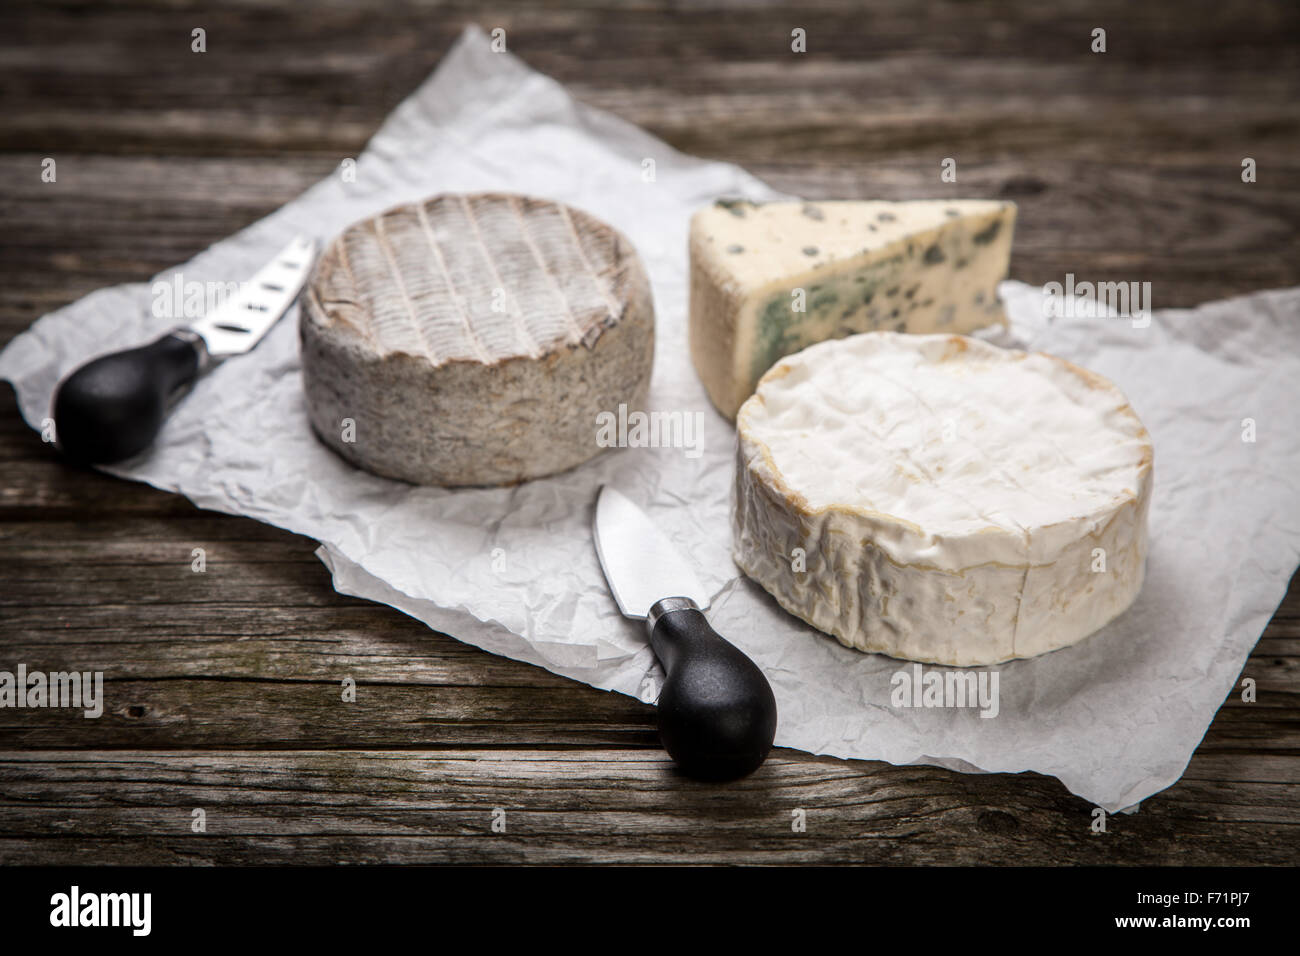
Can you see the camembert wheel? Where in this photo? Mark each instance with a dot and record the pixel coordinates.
(939, 499)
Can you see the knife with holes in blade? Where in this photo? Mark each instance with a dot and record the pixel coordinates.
(113, 406)
(717, 713)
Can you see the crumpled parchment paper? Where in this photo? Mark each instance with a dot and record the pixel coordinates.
(514, 570)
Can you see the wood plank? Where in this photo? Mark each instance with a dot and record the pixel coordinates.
(436, 807)
(1168, 82)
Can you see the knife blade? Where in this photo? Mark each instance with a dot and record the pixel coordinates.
(717, 713)
(113, 406)
(241, 321)
(640, 563)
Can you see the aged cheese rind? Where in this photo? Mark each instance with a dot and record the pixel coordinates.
(473, 340)
(948, 498)
(920, 267)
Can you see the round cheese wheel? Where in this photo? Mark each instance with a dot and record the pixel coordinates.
(939, 499)
(473, 339)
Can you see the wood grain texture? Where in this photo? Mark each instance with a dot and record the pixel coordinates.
(225, 685)
(434, 805)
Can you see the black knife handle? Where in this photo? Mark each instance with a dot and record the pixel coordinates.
(112, 407)
(717, 713)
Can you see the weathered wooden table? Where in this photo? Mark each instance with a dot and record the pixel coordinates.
(224, 686)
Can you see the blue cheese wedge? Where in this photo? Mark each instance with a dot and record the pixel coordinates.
(769, 279)
(938, 499)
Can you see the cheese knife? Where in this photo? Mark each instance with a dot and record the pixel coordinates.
(113, 406)
(717, 713)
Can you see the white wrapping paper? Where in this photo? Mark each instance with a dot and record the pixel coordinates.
(514, 570)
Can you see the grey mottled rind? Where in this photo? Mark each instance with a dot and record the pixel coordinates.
(463, 421)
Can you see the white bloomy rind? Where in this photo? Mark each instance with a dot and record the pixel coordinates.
(939, 499)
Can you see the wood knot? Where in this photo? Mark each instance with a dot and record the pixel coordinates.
(1023, 186)
(997, 821)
